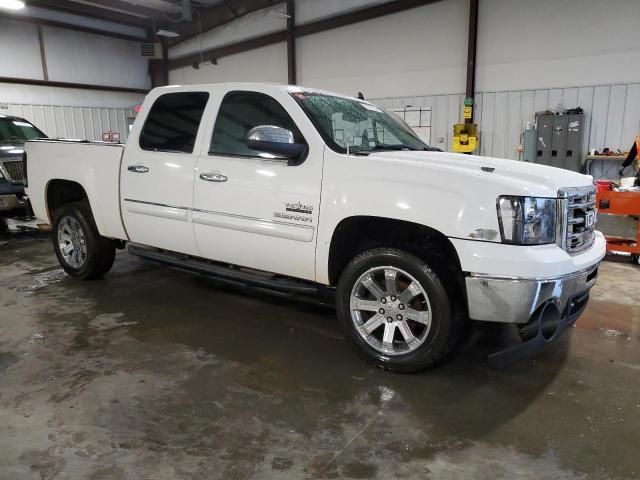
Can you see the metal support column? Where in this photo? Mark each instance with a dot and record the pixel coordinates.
(291, 42)
(471, 52)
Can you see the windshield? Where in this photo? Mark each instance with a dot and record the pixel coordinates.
(361, 126)
(18, 130)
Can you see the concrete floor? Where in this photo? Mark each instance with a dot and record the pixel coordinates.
(156, 374)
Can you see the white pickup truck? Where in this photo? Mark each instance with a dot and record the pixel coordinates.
(304, 191)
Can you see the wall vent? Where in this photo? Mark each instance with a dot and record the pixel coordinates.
(151, 50)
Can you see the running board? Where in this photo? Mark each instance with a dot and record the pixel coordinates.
(222, 272)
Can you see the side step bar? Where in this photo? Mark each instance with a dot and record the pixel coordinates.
(220, 271)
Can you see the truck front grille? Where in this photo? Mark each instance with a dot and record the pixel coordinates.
(580, 207)
(14, 171)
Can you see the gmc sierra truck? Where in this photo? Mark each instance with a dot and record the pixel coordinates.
(308, 192)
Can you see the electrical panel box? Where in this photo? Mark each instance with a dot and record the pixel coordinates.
(574, 142)
(545, 127)
(530, 141)
(560, 140)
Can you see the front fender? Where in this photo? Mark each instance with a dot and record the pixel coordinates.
(445, 198)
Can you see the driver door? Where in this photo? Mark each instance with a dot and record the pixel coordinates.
(250, 208)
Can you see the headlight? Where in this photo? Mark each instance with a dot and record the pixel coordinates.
(527, 220)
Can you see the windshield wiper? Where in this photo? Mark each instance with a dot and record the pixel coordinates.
(432, 149)
(382, 146)
(358, 151)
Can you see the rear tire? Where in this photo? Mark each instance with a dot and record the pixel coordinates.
(81, 250)
(390, 325)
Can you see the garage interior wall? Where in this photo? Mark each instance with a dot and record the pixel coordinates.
(71, 56)
(532, 56)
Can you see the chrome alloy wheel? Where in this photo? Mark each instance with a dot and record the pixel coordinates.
(390, 310)
(72, 242)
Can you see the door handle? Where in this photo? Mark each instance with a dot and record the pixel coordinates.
(213, 177)
(138, 168)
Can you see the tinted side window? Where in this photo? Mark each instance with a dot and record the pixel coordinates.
(239, 113)
(172, 123)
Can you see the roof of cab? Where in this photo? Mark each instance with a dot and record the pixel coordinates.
(262, 85)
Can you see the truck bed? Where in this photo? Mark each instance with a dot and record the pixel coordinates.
(94, 166)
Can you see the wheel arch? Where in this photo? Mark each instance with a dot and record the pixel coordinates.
(356, 234)
(60, 191)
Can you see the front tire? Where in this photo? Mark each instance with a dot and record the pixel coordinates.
(395, 311)
(81, 250)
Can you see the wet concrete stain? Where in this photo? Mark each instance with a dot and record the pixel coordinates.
(152, 373)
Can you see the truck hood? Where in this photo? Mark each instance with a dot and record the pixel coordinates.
(509, 177)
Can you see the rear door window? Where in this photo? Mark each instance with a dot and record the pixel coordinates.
(173, 122)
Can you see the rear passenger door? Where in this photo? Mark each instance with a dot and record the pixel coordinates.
(157, 172)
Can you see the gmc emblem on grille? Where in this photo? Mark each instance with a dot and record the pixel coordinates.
(590, 219)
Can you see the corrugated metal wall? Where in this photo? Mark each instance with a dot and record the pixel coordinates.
(612, 115)
(85, 123)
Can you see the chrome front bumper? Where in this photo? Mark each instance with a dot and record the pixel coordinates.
(515, 300)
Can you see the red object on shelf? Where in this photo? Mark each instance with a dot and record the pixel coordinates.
(603, 185)
(620, 203)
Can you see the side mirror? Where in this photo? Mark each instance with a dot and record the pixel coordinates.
(276, 141)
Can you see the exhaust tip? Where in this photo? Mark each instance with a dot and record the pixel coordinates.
(549, 319)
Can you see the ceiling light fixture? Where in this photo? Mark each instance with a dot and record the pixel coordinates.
(164, 33)
(11, 4)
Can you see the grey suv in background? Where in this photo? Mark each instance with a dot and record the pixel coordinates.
(14, 131)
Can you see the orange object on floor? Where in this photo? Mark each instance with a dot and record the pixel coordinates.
(621, 203)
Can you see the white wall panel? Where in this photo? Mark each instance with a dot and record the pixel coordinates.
(631, 121)
(541, 100)
(80, 57)
(599, 116)
(37, 95)
(615, 115)
(585, 100)
(487, 128)
(500, 125)
(71, 56)
(525, 44)
(555, 99)
(514, 124)
(419, 51)
(19, 50)
(527, 107)
(570, 96)
(454, 114)
(439, 121)
(267, 64)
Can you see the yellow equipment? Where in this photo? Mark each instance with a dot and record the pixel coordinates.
(465, 137)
